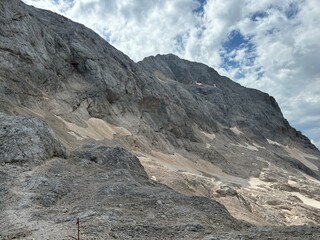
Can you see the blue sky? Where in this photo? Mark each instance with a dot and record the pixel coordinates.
(270, 45)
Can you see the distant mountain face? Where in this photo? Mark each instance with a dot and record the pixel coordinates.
(196, 131)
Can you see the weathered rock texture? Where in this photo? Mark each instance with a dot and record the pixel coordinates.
(213, 102)
(181, 123)
(27, 138)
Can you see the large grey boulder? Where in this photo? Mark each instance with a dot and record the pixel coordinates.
(27, 138)
(111, 158)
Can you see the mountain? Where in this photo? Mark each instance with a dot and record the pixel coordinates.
(160, 149)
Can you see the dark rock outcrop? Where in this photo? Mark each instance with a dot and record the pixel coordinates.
(111, 158)
(27, 138)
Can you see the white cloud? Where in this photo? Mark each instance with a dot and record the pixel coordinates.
(139, 28)
(281, 54)
(289, 56)
(53, 5)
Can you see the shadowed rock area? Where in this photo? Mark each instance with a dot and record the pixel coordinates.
(160, 149)
(27, 138)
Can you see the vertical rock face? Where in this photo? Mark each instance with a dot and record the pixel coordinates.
(62, 64)
(217, 99)
(200, 133)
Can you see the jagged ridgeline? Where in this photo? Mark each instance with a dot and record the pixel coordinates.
(160, 149)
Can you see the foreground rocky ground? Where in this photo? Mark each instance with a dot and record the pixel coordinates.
(107, 188)
(275, 196)
(113, 200)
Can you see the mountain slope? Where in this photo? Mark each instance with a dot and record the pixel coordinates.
(228, 103)
(196, 131)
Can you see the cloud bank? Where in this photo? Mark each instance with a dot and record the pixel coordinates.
(267, 44)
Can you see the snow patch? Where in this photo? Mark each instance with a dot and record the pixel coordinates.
(249, 147)
(236, 131)
(209, 135)
(258, 146)
(275, 143)
(308, 201)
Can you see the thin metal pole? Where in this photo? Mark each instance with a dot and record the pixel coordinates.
(78, 223)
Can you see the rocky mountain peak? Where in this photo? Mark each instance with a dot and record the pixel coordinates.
(184, 71)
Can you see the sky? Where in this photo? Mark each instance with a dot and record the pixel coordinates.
(270, 45)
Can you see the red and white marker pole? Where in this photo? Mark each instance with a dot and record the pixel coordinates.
(78, 224)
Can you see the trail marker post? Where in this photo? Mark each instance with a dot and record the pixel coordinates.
(78, 226)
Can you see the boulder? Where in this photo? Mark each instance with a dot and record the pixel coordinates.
(27, 138)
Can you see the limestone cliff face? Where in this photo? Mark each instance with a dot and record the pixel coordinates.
(216, 100)
(55, 64)
(196, 131)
